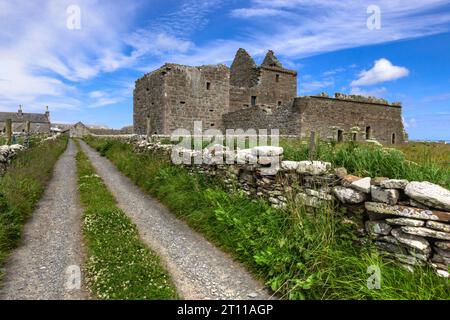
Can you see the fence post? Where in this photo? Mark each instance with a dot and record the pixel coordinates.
(312, 146)
(149, 129)
(8, 124)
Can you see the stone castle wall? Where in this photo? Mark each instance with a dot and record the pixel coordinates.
(327, 115)
(175, 96)
(148, 101)
(285, 118)
(355, 119)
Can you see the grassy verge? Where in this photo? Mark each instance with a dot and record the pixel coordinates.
(119, 266)
(415, 162)
(21, 188)
(299, 255)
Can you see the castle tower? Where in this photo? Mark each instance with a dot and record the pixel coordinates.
(266, 85)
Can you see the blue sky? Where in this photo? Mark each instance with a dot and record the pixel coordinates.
(88, 74)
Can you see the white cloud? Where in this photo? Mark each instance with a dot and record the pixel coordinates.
(382, 71)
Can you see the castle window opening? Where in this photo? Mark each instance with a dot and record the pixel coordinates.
(253, 101)
(393, 138)
(368, 132)
(182, 102)
(213, 124)
(277, 78)
(208, 85)
(354, 136)
(340, 136)
(279, 103)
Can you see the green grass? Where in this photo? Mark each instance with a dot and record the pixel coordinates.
(299, 255)
(33, 140)
(418, 164)
(21, 188)
(119, 265)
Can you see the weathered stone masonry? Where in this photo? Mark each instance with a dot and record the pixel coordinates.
(259, 97)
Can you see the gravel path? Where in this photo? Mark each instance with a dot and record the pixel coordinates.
(199, 269)
(51, 242)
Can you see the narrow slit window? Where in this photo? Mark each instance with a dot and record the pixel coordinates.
(253, 101)
(208, 85)
(354, 136)
(340, 136)
(368, 133)
(277, 78)
(393, 138)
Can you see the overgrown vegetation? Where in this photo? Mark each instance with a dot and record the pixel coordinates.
(119, 265)
(21, 188)
(415, 162)
(299, 255)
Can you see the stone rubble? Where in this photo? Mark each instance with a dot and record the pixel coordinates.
(7, 153)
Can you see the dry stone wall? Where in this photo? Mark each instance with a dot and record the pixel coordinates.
(408, 221)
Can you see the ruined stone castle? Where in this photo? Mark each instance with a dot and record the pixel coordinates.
(248, 95)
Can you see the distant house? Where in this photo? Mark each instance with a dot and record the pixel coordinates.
(79, 130)
(39, 122)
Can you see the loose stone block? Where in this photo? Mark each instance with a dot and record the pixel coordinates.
(437, 258)
(418, 255)
(349, 196)
(409, 260)
(389, 247)
(406, 222)
(429, 194)
(289, 165)
(313, 167)
(267, 151)
(394, 184)
(349, 179)
(377, 181)
(362, 185)
(408, 212)
(389, 196)
(444, 253)
(438, 226)
(425, 232)
(412, 241)
(444, 245)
